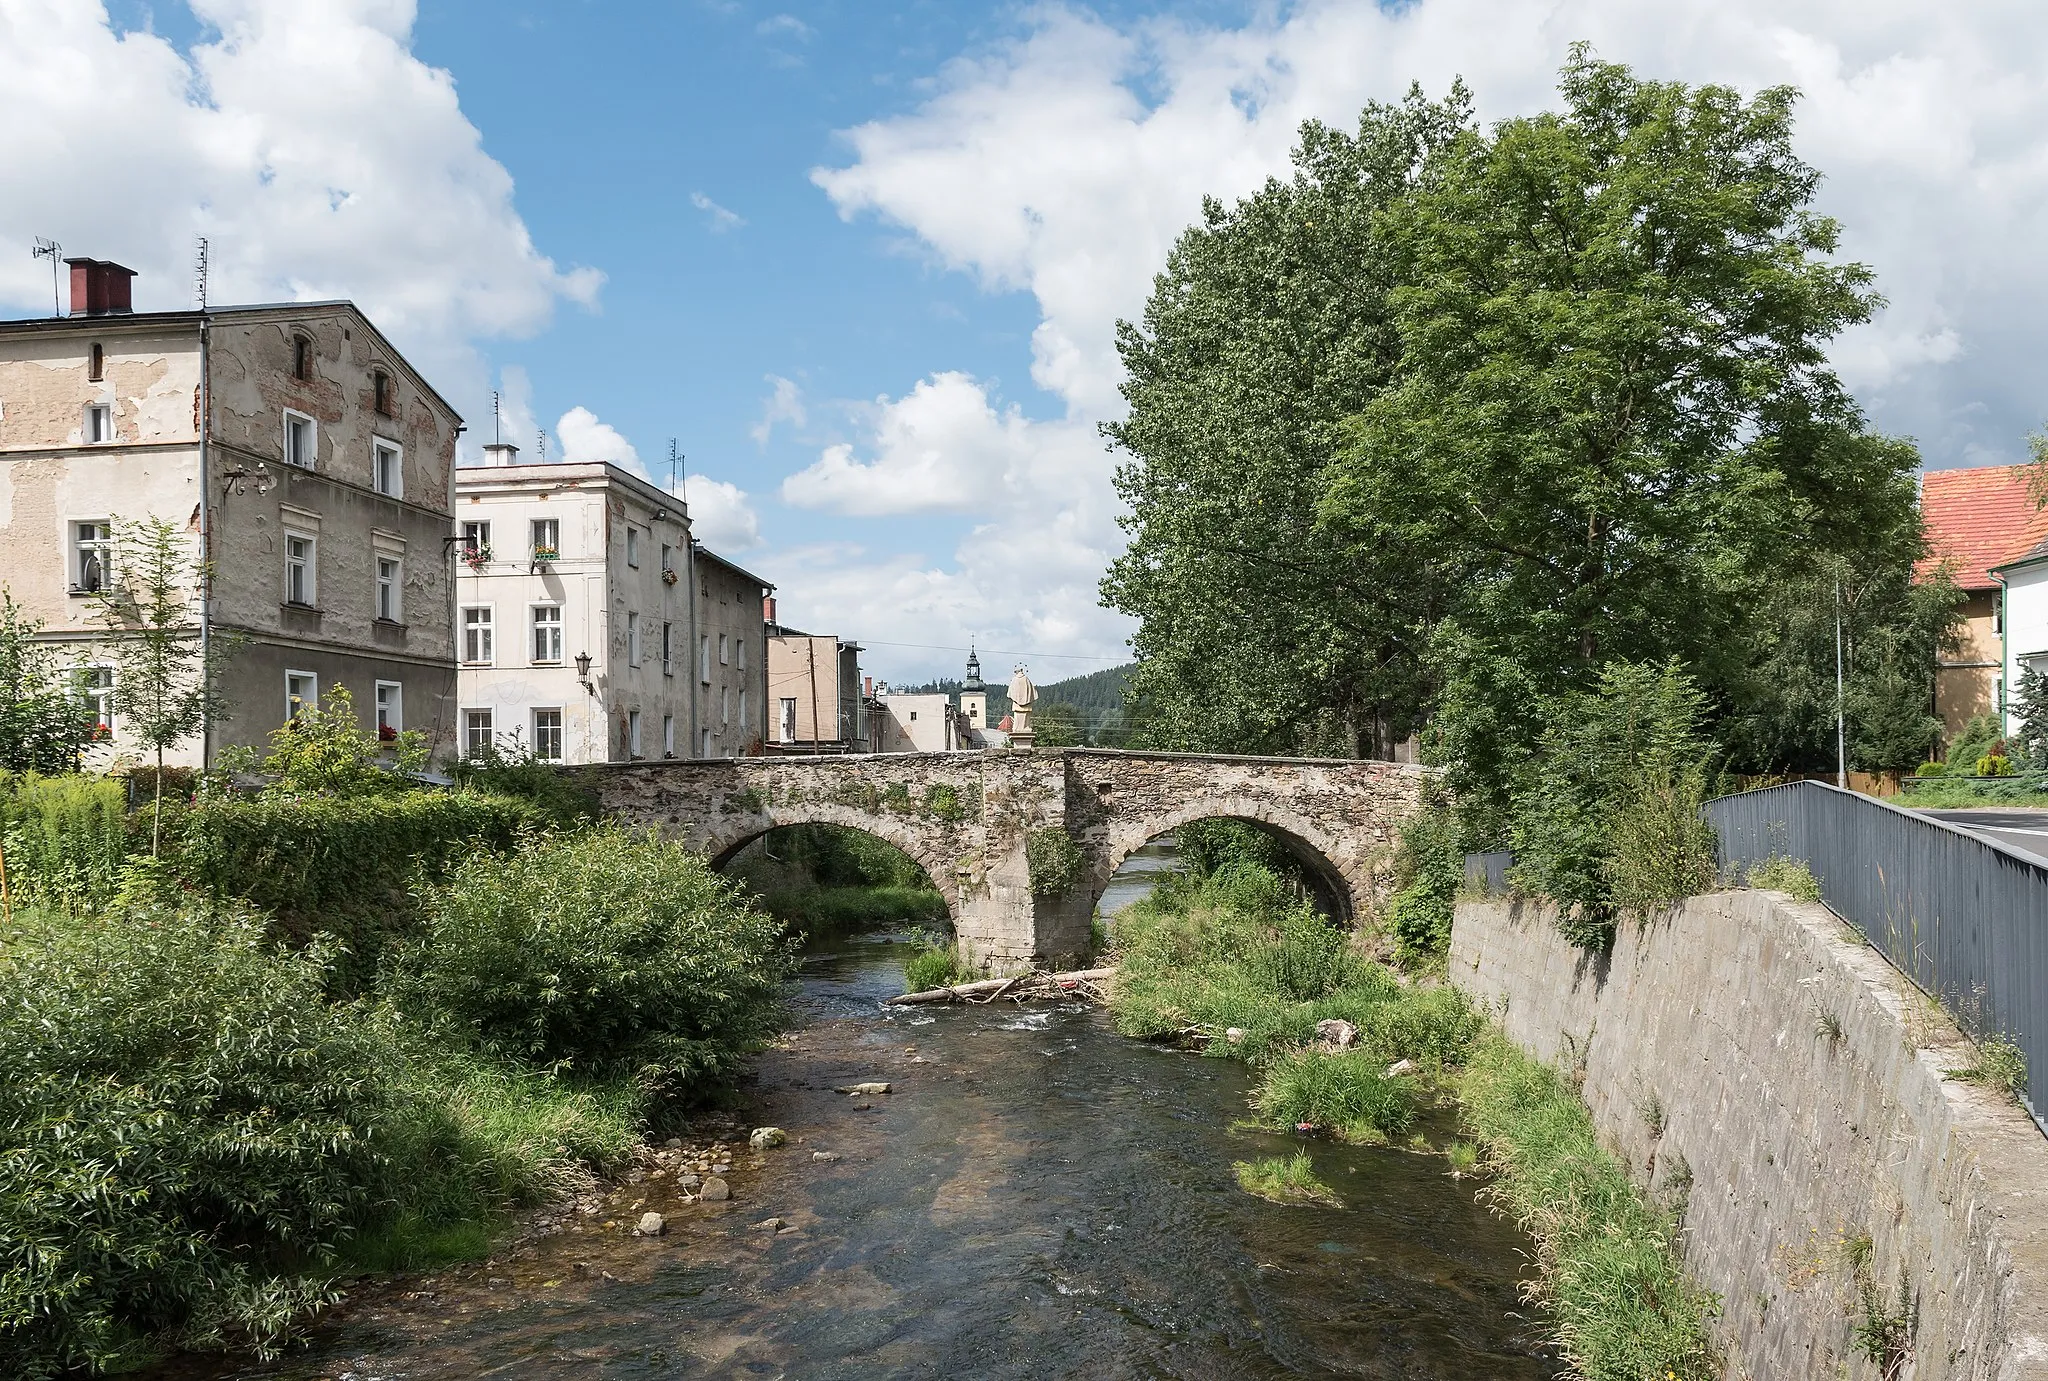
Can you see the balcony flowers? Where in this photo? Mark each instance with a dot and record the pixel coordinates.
(668, 575)
(476, 558)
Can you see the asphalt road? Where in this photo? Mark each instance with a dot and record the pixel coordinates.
(2025, 830)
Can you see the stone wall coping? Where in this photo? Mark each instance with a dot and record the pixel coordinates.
(964, 759)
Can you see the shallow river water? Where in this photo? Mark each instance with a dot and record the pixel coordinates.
(1036, 1197)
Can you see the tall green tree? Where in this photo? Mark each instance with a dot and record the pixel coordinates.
(1612, 427)
(1270, 326)
(44, 717)
(165, 690)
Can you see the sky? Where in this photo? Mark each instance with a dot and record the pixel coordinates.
(862, 261)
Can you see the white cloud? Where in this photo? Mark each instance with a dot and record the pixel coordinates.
(1066, 162)
(785, 403)
(722, 220)
(720, 515)
(585, 440)
(783, 26)
(316, 153)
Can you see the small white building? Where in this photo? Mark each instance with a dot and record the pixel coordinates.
(590, 627)
(919, 723)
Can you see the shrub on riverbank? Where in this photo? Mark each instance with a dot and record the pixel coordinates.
(934, 963)
(66, 838)
(1622, 1308)
(610, 949)
(1345, 1092)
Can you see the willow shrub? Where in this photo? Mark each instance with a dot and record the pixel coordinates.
(188, 1136)
(609, 950)
(66, 839)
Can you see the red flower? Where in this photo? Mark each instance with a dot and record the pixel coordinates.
(386, 734)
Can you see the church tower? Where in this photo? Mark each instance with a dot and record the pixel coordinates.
(974, 694)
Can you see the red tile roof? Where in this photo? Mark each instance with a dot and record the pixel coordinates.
(1978, 519)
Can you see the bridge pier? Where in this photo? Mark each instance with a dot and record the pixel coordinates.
(969, 820)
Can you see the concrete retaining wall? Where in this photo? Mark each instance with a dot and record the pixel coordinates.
(1706, 1047)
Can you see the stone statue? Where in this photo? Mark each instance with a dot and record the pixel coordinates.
(1022, 694)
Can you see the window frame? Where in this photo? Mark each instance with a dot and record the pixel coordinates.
(632, 546)
(396, 706)
(96, 364)
(470, 717)
(668, 639)
(488, 625)
(668, 736)
(535, 623)
(535, 527)
(102, 544)
(380, 447)
(704, 658)
(312, 461)
(307, 566)
(302, 356)
(102, 696)
(390, 593)
(632, 733)
(725, 649)
(785, 719)
(557, 729)
(311, 700)
(632, 638)
(381, 393)
(743, 711)
(91, 431)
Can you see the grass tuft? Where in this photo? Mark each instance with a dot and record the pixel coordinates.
(935, 964)
(1285, 1180)
(1344, 1093)
(1788, 875)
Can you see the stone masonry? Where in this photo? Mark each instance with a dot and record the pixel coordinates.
(967, 819)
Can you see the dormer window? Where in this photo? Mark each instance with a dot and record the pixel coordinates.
(97, 370)
(302, 358)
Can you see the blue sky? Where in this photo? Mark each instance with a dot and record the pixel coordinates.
(863, 260)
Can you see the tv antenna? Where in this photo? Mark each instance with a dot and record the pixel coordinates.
(495, 438)
(675, 458)
(540, 441)
(54, 252)
(199, 273)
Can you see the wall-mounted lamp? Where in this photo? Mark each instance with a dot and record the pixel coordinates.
(236, 481)
(583, 671)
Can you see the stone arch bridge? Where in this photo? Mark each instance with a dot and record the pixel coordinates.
(1022, 843)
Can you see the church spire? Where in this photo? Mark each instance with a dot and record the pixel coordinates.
(973, 681)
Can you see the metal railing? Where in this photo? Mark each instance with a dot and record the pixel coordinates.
(1964, 918)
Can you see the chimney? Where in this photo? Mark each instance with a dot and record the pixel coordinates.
(868, 687)
(100, 287)
(768, 609)
(501, 453)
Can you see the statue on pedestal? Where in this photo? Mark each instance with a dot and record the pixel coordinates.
(1022, 695)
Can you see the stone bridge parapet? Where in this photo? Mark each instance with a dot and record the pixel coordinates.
(971, 820)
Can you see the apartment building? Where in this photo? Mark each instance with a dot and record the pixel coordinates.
(814, 693)
(591, 627)
(301, 454)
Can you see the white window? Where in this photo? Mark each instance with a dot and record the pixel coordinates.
(387, 468)
(99, 423)
(785, 729)
(667, 558)
(92, 555)
(476, 635)
(547, 735)
(547, 539)
(704, 744)
(547, 634)
(724, 706)
(633, 732)
(301, 693)
(632, 545)
(632, 640)
(667, 648)
(99, 699)
(476, 541)
(301, 575)
(390, 589)
(743, 710)
(668, 735)
(704, 658)
(390, 709)
(724, 651)
(476, 733)
(300, 438)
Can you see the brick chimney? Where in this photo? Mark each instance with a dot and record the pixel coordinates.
(768, 609)
(100, 287)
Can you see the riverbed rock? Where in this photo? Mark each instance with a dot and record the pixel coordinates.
(1337, 1033)
(867, 1088)
(689, 1181)
(651, 1224)
(764, 1137)
(715, 1190)
(768, 1225)
(824, 1155)
(674, 1143)
(1400, 1067)
(1233, 1034)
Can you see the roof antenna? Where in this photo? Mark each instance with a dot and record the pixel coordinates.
(54, 252)
(675, 458)
(495, 438)
(199, 273)
(540, 437)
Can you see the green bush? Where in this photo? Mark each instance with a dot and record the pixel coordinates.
(1973, 741)
(1931, 769)
(1429, 867)
(189, 1134)
(1621, 1309)
(1346, 1093)
(341, 866)
(1788, 875)
(66, 839)
(1054, 861)
(566, 796)
(1995, 765)
(934, 964)
(1210, 846)
(816, 911)
(615, 951)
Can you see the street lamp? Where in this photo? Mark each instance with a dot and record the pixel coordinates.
(583, 671)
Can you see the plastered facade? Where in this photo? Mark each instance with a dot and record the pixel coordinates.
(54, 476)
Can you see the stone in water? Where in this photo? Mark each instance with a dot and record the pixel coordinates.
(764, 1137)
(651, 1225)
(864, 1088)
(715, 1189)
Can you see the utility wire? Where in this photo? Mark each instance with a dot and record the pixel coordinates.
(998, 652)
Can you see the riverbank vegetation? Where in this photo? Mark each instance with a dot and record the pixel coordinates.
(829, 880)
(339, 1024)
(1234, 963)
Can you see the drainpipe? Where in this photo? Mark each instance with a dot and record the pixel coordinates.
(2004, 652)
(205, 543)
(695, 682)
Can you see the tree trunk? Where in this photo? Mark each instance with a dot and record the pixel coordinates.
(156, 823)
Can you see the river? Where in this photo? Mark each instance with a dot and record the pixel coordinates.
(1035, 1198)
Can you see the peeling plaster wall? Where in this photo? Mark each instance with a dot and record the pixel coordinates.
(731, 703)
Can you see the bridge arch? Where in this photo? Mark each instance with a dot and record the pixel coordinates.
(1314, 848)
(734, 833)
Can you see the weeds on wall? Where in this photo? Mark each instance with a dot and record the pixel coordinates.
(1791, 876)
(1054, 861)
(1429, 868)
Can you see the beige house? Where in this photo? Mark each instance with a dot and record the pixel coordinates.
(814, 694)
(591, 627)
(927, 723)
(292, 445)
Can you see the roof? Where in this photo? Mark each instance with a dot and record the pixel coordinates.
(542, 474)
(1979, 519)
(705, 553)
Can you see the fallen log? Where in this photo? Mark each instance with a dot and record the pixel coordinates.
(1017, 987)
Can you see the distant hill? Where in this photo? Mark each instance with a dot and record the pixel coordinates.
(1098, 697)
